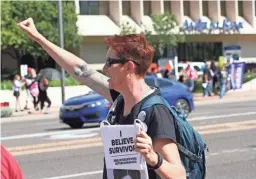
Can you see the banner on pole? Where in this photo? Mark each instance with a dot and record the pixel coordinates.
(237, 74)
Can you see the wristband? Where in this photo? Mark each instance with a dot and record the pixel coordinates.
(159, 162)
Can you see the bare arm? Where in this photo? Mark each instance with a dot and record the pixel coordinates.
(172, 166)
(75, 66)
(78, 68)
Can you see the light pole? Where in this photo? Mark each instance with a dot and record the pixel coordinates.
(61, 42)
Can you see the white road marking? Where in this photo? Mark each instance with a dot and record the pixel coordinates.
(230, 151)
(100, 171)
(43, 134)
(72, 136)
(220, 116)
(76, 175)
(97, 129)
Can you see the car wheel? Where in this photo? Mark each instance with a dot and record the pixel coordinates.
(76, 125)
(183, 107)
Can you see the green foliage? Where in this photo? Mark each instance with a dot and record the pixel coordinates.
(69, 81)
(6, 111)
(167, 32)
(45, 15)
(7, 84)
(127, 28)
(249, 76)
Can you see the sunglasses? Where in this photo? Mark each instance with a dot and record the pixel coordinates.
(111, 61)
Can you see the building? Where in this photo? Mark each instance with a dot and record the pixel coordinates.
(209, 25)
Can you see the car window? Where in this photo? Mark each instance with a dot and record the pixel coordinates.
(163, 83)
(150, 81)
(197, 68)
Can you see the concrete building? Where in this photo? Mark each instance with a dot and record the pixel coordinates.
(209, 25)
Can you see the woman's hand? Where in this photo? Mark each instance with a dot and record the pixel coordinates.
(143, 145)
(29, 27)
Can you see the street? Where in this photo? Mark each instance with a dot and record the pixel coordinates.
(47, 149)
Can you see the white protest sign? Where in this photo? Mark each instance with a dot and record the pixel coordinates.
(23, 70)
(119, 150)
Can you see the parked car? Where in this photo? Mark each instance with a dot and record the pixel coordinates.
(198, 66)
(92, 107)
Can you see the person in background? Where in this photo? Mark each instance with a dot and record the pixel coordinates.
(31, 88)
(213, 71)
(207, 80)
(16, 87)
(10, 169)
(222, 75)
(43, 97)
(192, 76)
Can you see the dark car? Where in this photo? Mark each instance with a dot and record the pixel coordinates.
(93, 108)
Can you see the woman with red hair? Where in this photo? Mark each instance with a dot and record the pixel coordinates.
(127, 61)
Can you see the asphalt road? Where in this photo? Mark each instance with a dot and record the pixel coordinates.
(46, 149)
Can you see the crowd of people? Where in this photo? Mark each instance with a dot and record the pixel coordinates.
(215, 79)
(36, 92)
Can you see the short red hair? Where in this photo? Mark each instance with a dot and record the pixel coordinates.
(133, 47)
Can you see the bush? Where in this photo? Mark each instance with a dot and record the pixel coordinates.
(69, 81)
(249, 76)
(7, 84)
(6, 111)
(198, 87)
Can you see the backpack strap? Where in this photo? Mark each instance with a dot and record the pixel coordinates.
(156, 99)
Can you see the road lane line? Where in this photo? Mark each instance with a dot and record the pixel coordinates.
(100, 171)
(55, 149)
(43, 134)
(54, 144)
(76, 175)
(222, 125)
(220, 116)
(214, 131)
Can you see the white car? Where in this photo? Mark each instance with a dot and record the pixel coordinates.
(198, 66)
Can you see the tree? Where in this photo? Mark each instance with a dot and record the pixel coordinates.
(45, 15)
(166, 32)
(127, 28)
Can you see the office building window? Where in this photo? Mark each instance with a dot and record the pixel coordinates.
(199, 51)
(126, 8)
(186, 7)
(240, 8)
(167, 6)
(223, 8)
(205, 8)
(89, 7)
(147, 8)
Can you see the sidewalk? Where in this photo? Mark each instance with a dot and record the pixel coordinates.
(231, 96)
(247, 93)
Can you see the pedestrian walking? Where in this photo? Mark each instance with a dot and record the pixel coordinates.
(207, 80)
(31, 89)
(43, 97)
(213, 71)
(127, 60)
(16, 87)
(192, 75)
